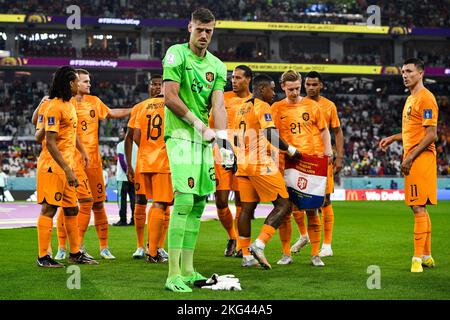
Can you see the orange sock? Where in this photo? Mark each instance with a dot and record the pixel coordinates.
(314, 229)
(155, 228)
(299, 217)
(84, 216)
(226, 218)
(61, 230)
(101, 226)
(44, 228)
(266, 233)
(427, 248)
(71, 224)
(236, 229)
(285, 231)
(420, 233)
(328, 222)
(166, 226)
(139, 223)
(245, 243)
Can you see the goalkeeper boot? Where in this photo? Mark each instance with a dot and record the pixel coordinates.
(231, 248)
(326, 251)
(61, 254)
(416, 265)
(301, 242)
(249, 261)
(194, 276)
(106, 254)
(317, 262)
(139, 253)
(285, 259)
(176, 284)
(428, 262)
(258, 253)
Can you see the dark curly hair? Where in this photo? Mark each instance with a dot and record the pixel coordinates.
(61, 83)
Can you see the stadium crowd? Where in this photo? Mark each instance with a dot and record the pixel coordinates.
(370, 111)
(427, 13)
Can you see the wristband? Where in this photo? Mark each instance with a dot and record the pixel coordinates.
(291, 150)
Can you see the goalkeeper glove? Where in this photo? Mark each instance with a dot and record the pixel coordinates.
(226, 150)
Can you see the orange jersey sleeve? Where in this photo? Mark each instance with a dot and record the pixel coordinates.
(132, 120)
(329, 111)
(61, 118)
(152, 153)
(102, 109)
(231, 101)
(420, 110)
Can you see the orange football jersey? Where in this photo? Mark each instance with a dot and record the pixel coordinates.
(299, 124)
(251, 119)
(90, 111)
(420, 110)
(44, 157)
(61, 118)
(152, 153)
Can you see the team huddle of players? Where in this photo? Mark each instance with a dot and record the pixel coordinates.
(70, 120)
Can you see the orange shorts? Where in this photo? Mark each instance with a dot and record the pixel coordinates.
(421, 183)
(225, 179)
(262, 188)
(155, 186)
(55, 190)
(83, 189)
(96, 183)
(330, 180)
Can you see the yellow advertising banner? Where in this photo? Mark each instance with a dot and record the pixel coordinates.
(323, 68)
(305, 27)
(18, 18)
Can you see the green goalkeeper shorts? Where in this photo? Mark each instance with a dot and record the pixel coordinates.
(191, 167)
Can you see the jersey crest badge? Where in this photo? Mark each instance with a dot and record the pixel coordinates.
(305, 116)
(210, 76)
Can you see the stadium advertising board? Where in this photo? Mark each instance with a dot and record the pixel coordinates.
(374, 195)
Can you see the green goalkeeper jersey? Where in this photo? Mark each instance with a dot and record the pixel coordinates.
(198, 78)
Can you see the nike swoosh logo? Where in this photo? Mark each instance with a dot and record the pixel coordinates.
(187, 68)
(283, 117)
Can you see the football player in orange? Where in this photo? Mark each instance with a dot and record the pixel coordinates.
(56, 180)
(299, 121)
(91, 191)
(419, 131)
(313, 86)
(259, 179)
(152, 177)
(226, 180)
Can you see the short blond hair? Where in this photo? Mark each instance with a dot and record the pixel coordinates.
(290, 75)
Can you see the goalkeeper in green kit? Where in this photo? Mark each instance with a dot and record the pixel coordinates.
(194, 81)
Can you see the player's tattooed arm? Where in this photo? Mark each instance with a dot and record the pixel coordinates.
(83, 152)
(119, 113)
(50, 138)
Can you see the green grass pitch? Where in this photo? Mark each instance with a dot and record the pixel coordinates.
(365, 234)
